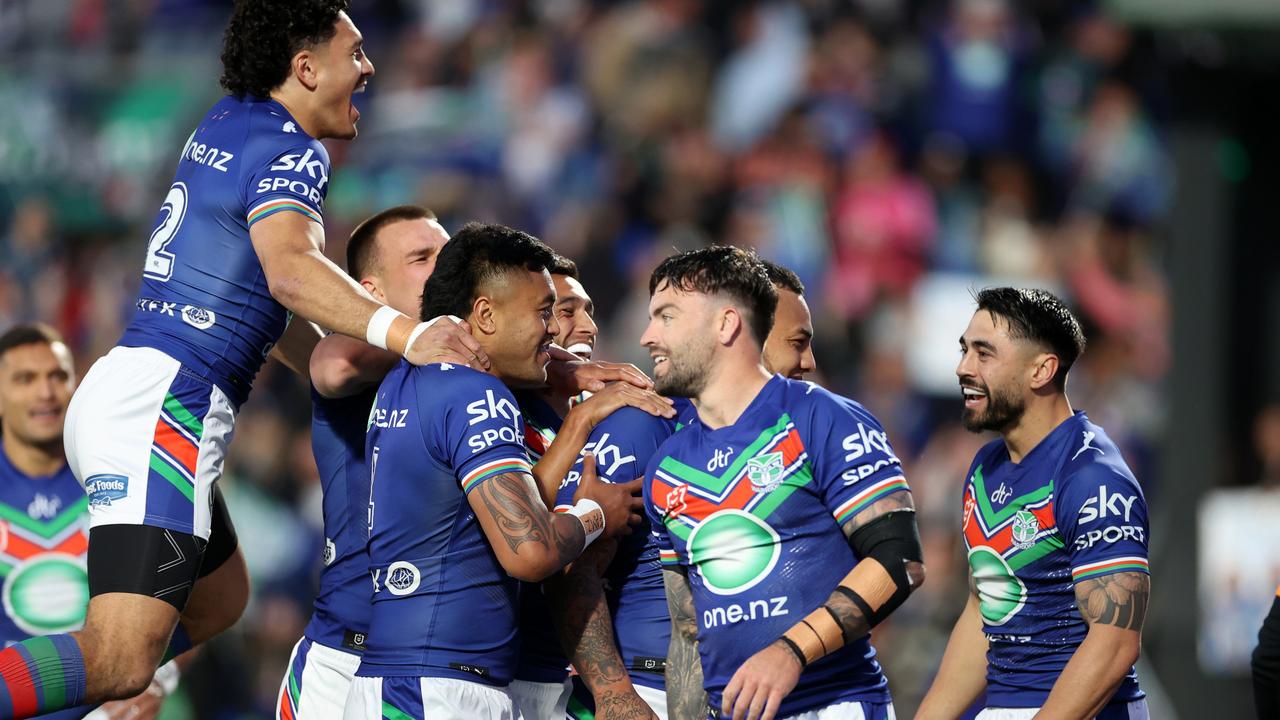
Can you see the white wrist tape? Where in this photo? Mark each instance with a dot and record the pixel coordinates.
(379, 325)
(591, 515)
(423, 326)
(167, 676)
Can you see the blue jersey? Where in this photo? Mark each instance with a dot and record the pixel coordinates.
(1070, 511)
(754, 510)
(686, 413)
(204, 299)
(542, 660)
(623, 444)
(338, 426)
(44, 542)
(443, 606)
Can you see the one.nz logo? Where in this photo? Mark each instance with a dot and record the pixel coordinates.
(105, 489)
(766, 472)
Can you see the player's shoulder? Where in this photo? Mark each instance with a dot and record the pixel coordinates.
(808, 400)
(447, 383)
(271, 132)
(1093, 459)
(628, 421)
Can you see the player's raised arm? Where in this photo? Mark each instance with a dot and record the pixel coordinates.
(963, 674)
(290, 246)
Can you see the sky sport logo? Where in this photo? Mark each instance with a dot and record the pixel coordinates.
(104, 489)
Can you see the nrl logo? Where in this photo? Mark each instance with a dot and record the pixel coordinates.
(765, 472)
(1025, 529)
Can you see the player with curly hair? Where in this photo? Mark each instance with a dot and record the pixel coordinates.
(237, 251)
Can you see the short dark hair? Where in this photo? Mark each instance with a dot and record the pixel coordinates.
(782, 278)
(362, 247)
(723, 269)
(264, 35)
(1041, 317)
(477, 254)
(28, 334)
(564, 266)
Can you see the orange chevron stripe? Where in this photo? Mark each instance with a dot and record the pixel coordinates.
(179, 447)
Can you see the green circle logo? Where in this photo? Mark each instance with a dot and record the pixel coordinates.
(47, 594)
(1000, 593)
(733, 550)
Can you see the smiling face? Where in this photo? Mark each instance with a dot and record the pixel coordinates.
(516, 324)
(575, 314)
(341, 70)
(405, 253)
(788, 351)
(681, 339)
(994, 374)
(36, 382)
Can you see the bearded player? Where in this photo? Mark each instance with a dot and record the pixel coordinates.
(1056, 530)
(771, 475)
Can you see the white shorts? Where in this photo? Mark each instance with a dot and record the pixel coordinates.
(316, 685)
(656, 699)
(852, 710)
(540, 701)
(1136, 710)
(414, 698)
(147, 440)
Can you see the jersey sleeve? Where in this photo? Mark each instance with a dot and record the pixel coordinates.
(1102, 517)
(622, 444)
(655, 503)
(853, 463)
(288, 174)
(476, 428)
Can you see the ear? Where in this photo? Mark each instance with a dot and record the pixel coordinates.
(372, 286)
(1042, 372)
(482, 316)
(305, 69)
(728, 325)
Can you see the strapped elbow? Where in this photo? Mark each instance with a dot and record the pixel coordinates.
(892, 540)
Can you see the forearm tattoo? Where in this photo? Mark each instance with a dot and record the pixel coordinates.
(518, 511)
(685, 696)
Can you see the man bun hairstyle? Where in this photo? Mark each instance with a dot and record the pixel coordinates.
(1040, 317)
(724, 270)
(477, 254)
(263, 36)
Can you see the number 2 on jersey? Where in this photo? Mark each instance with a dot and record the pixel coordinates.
(159, 264)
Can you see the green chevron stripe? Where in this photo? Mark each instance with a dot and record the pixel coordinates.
(993, 518)
(717, 483)
(45, 528)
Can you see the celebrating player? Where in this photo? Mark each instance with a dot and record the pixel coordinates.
(237, 247)
(788, 351)
(391, 254)
(786, 501)
(1056, 529)
(46, 535)
(455, 514)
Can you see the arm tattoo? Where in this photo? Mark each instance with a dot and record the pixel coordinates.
(517, 510)
(685, 695)
(583, 621)
(1119, 599)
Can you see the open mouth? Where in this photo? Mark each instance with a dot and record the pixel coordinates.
(51, 414)
(972, 396)
(582, 350)
(660, 362)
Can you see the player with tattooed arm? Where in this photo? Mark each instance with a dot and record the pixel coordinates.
(1056, 530)
(455, 514)
(785, 526)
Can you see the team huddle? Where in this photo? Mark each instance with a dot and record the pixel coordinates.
(513, 527)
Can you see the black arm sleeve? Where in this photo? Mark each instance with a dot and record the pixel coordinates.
(1266, 666)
